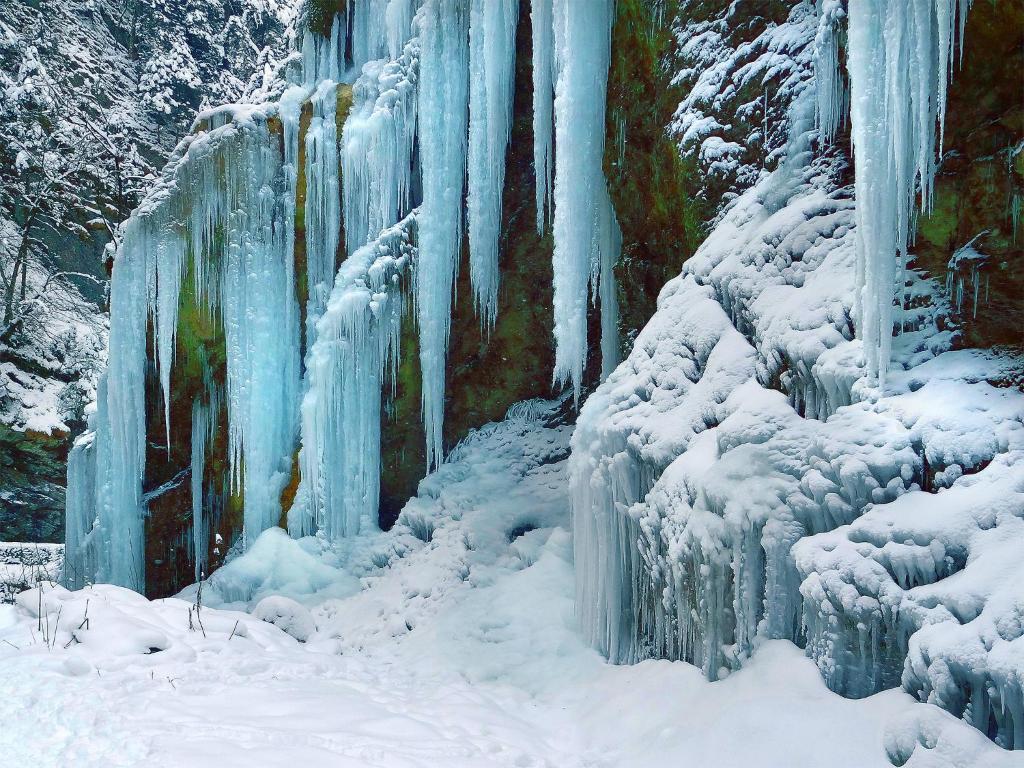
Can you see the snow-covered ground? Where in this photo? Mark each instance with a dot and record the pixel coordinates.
(448, 641)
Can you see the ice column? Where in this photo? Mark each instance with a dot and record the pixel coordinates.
(583, 49)
(443, 98)
(121, 454)
(899, 59)
(492, 56)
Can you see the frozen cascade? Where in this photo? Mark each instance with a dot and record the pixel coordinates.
(323, 198)
(356, 348)
(583, 49)
(899, 58)
(443, 102)
(217, 214)
(542, 25)
(377, 146)
(492, 56)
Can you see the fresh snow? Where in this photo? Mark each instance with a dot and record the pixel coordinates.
(451, 640)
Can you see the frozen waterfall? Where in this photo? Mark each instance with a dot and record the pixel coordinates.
(214, 247)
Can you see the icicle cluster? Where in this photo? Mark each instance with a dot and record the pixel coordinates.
(492, 54)
(899, 58)
(443, 107)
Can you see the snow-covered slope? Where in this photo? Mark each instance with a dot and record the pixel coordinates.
(458, 647)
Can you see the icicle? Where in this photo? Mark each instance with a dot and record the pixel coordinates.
(262, 362)
(323, 203)
(492, 54)
(898, 55)
(442, 110)
(121, 419)
(609, 246)
(323, 58)
(583, 53)
(543, 105)
(200, 432)
(398, 20)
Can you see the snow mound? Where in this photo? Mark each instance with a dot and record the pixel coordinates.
(275, 564)
(287, 615)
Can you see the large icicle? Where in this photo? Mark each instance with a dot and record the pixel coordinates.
(583, 49)
(899, 59)
(492, 56)
(543, 105)
(121, 415)
(323, 58)
(442, 142)
(829, 85)
(323, 201)
(608, 246)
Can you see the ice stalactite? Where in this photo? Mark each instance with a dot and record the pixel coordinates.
(356, 349)
(899, 59)
(608, 243)
(398, 20)
(492, 57)
(830, 87)
(583, 49)
(369, 31)
(377, 145)
(323, 198)
(443, 101)
(542, 25)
